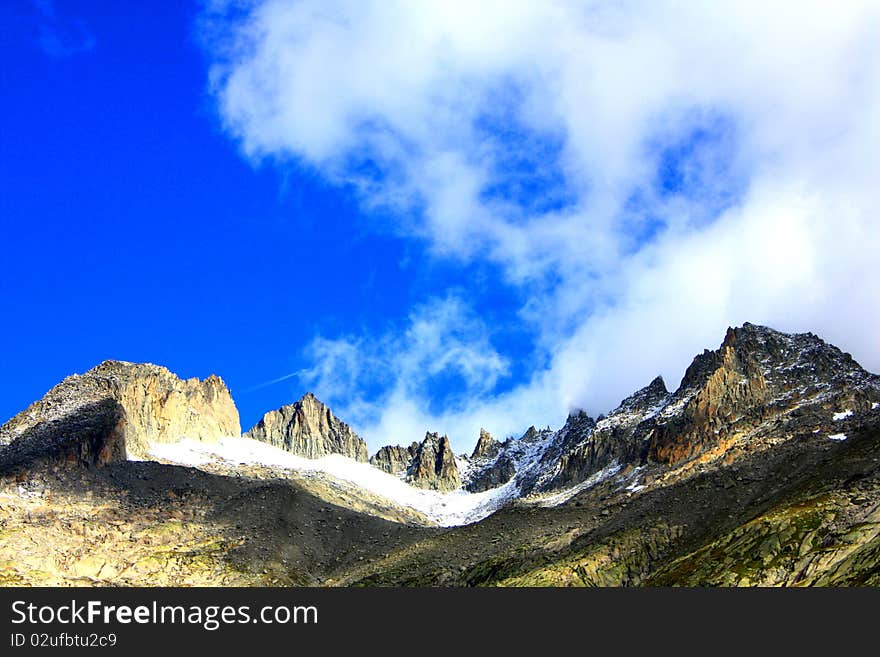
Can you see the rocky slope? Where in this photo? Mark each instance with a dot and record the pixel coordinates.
(133, 523)
(801, 513)
(309, 428)
(115, 411)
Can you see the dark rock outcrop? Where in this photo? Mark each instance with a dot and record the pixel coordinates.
(498, 473)
(491, 469)
(308, 428)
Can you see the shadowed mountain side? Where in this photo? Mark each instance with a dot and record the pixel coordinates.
(89, 435)
(144, 523)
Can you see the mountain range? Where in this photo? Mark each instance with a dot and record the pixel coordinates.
(762, 467)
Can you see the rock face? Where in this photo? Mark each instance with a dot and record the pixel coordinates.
(115, 410)
(488, 469)
(758, 388)
(395, 459)
(486, 446)
(308, 428)
(497, 473)
(587, 446)
(759, 385)
(428, 464)
(757, 378)
(433, 465)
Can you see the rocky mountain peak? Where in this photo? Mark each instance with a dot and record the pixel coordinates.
(657, 387)
(644, 399)
(117, 409)
(486, 446)
(759, 385)
(308, 428)
(433, 465)
(756, 374)
(778, 355)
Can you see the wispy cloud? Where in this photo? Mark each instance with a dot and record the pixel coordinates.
(440, 362)
(60, 36)
(645, 174)
(272, 382)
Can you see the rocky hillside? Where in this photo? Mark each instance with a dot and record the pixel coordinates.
(800, 513)
(116, 411)
(309, 428)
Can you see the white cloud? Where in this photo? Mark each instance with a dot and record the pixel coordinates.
(776, 222)
(384, 384)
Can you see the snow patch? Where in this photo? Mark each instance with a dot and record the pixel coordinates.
(837, 436)
(26, 493)
(458, 507)
(465, 467)
(559, 497)
(634, 485)
(842, 415)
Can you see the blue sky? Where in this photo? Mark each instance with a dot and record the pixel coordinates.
(435, 215)
(133, 229)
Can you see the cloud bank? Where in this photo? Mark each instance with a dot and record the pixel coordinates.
(646, 174)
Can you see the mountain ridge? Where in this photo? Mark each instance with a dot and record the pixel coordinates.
(757, 374)
(765, 460)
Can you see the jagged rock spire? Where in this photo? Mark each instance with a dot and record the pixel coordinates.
(310, 429)
(434, 464)
(486, 446)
